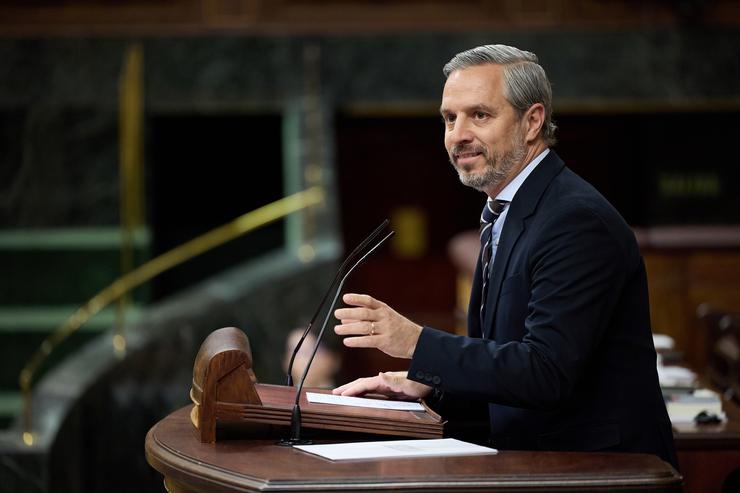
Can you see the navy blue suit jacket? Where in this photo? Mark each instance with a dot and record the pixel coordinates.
(564, 359)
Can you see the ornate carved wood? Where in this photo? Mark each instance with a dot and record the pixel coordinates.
(222, 374)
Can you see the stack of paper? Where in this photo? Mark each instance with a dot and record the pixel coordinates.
(663, 342)
(683, 408)
(340, 400)
(443, 447)
(676, 376)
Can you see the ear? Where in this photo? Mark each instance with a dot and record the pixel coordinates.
(533, 119)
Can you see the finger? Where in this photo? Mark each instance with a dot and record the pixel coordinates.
(354, 313)
(342, 388)
(355, 328)
(361, 300)
(364, 341)
(362, 386)
(347, 385)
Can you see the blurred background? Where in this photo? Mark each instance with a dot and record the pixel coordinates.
(130, 127)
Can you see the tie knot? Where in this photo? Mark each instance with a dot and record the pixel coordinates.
(491, 211)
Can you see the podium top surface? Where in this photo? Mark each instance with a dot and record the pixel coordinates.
(260, 465)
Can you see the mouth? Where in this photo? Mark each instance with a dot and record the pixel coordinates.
(466, 157)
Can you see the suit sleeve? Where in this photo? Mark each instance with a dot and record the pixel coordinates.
(577, 268)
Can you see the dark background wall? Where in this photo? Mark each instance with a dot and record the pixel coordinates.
(647, 98)
(637, 108)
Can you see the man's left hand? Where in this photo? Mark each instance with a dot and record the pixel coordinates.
(376, 325)
(392, 384)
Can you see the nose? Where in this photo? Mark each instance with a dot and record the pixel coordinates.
(460, 133)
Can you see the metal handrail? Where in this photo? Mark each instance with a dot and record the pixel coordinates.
(172, 258)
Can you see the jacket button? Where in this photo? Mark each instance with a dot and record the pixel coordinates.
(436, 380)
(428, 377)
(420, 375)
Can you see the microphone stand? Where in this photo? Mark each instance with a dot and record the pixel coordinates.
(339, 273)
(295, 419)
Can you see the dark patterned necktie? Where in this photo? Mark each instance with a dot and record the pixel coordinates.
(491, 212)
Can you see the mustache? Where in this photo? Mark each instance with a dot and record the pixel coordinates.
(467, 149)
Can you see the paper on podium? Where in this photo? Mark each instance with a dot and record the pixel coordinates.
(396, 449)
(363, 402)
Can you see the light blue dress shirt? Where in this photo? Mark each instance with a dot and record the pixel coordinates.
(508, 194)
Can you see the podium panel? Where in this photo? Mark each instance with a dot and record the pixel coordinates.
(246, 465)
(225, 391)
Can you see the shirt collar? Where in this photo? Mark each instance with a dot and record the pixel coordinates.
(510, 190)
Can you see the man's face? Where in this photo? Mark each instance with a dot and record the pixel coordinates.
(484, 135)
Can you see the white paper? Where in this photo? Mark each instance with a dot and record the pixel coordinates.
(363, 402)
(662, 341)
(684, 408)
(683, 417)
(396, 448)
(676, 376)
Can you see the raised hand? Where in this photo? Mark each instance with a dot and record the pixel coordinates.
(376, 325)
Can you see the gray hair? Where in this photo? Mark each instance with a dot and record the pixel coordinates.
(525, 81)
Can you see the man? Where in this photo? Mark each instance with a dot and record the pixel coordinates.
(559, 345)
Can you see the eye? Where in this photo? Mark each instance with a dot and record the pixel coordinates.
(480, 115)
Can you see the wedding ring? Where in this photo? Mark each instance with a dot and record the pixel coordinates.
(372, 328)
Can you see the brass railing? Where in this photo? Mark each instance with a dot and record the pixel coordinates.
(121, 286)
(130, 169)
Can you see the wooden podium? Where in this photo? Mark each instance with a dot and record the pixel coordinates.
(225, 391)
(258, 464)
(226, 395)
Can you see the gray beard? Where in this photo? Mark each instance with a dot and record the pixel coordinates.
(497, 169)
(491, 176)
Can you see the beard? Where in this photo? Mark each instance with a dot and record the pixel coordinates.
(498, 165)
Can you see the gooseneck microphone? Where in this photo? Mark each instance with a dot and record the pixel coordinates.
(295, 418)
(358, 249)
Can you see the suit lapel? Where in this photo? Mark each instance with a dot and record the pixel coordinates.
(524, 205)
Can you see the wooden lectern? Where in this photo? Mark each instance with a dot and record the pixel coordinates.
(225, 390)
(253, 464)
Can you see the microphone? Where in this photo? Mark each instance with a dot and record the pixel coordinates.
(338, 275)
(295, 418)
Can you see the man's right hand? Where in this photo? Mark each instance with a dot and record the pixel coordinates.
(393, 384)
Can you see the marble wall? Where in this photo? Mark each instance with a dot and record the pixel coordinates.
(58, 96)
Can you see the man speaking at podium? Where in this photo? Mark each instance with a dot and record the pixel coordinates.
(559, 347)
